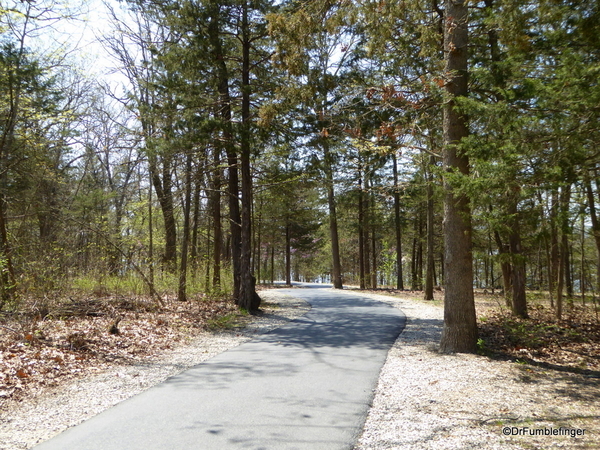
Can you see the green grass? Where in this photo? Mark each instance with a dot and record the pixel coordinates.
(133, 285)
(227, 322)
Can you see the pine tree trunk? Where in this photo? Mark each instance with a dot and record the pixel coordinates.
(182, 291)
(248, 298)
(7, 273)
(373, 244)
(163, 186)
(333, 226)
(595, 225)
(361, 235)
(519, 298)
(430, 267)
(565, 197)
(215, 199)
(397, 226)
(554, 249)
(196, 217)
(506, 269)
(224, 112)
(460, 324)
(288, 256)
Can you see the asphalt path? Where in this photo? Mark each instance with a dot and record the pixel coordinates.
(307, 385)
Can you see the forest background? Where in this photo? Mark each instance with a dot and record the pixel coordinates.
(253, 141)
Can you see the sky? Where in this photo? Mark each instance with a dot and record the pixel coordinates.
(85, 34)
(72, 30)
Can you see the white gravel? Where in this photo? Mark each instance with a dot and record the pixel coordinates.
(427, 400)
(424, 400)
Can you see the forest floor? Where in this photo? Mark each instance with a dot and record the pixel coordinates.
(44, 346)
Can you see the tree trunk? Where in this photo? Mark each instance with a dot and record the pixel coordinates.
(568, 265)
(565, 197)
(361, 235)
(163, 186)
(258, 247)
(7, 272)
(373, 243)
(215, 197)
(506, 268)
(417, 257)
(194, 246)
(333, 226)
(150, 239)
(595, 225)
(288, 256)
(519, 298)
(272, 265)
(248, 298)
(232, 157)
(460, 324)
(430, 268)
(182, 291)
(397, 226)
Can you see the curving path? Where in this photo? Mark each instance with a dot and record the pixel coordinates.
(307, 385)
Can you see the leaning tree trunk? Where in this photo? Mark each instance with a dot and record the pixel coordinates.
(460, 324)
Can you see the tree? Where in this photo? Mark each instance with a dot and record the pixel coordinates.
(460, 324)
(135, 47)
(308, 41)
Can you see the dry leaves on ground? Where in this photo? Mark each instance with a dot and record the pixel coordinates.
(78, 336)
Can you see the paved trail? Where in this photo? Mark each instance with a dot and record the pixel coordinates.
(305, 386)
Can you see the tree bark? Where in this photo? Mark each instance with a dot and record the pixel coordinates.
(397, 226)
(216, 218)
(554, 249)
(506, 268)
(595, 224)
(248, 298)
(565, 197)
(460, 324)
(430, 267)
(232, 157)
(288, 256)
(182, 291)
(161, 179)
(361, 233)
(373, 243)
(333, 226)
(519, 298)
